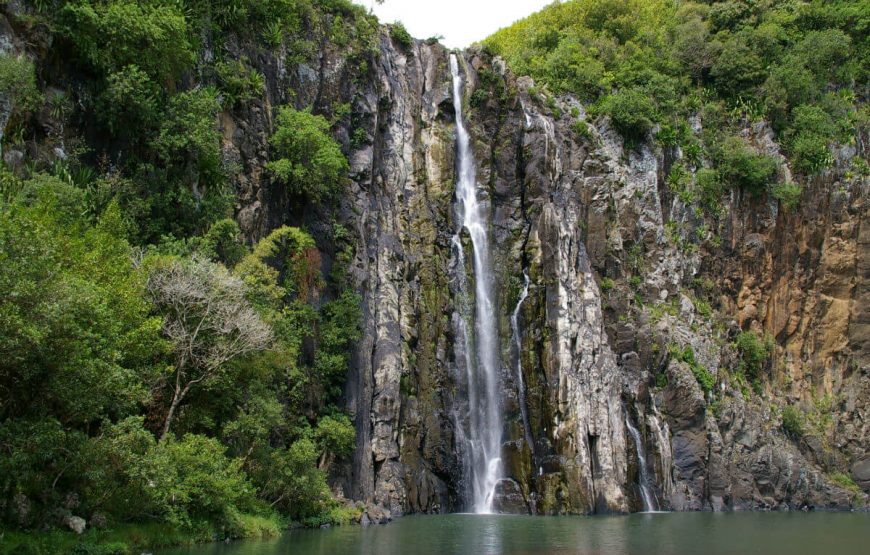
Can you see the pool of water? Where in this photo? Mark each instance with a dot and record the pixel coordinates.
(657, 533)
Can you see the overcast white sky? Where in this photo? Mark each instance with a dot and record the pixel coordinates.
(462, 22)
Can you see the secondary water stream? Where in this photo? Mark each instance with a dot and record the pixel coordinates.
(649, 500)
(518, 344)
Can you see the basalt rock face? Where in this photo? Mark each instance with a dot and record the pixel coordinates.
(569, 207)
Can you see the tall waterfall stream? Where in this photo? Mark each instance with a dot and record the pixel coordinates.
(484, 426)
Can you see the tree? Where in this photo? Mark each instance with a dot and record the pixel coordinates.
(108, 36)
(208, 320)
(76, 336)
(310, 162)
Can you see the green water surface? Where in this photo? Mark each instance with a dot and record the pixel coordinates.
(659, 533)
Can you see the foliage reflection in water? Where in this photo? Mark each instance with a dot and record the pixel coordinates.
(639, 534)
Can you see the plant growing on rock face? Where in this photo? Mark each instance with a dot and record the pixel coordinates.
(400, 35)
(18, 84)
(239, 82)
(754, 353)
(792, 422)
(310, 162)
(208, 320)
(632, 113)
(108, 36)
(788, 193)
(741, 167)
(687, 355)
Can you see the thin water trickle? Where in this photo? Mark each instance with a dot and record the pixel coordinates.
(483, 441)
(518, 343)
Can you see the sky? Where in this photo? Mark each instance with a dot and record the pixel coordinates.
(461, 22)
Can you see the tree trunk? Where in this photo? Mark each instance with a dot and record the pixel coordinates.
(176, 400)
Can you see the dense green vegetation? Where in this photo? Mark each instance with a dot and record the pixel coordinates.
(157, 372)
(651, 65)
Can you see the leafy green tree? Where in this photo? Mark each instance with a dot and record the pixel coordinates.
(130, 103)
(336, 436)
(78, 338)
(110, 35)
(294, 483)
(310, 162)
(77, 346)
(738, 70)
(189, 136)
(191, 478)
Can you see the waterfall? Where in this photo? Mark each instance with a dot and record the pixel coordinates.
(483, 438)
(649, 502)
(521, 386)
(663, 441)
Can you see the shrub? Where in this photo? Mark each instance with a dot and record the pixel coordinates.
(661, 379)
(632, 113)
(582, 129)
(401, 35)
(788, 193)
(792, 422)
(606, 284)
(242, 525)
(223, 242)
(189, 132)
(739, 166)
(192, 478)
(702, 375)
(754, 353)
(293, 482)
(336, 434)
(18, 83)
(710, 188)
(111, 35)
(310, 161)
(129, 104)
(703, 308)
(239, 82)
(810, 152)
(738, 69)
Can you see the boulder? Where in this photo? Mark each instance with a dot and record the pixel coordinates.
(75, 523)
(861, 473)
(508, 498)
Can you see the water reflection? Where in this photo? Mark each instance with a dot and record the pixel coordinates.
(641, 534)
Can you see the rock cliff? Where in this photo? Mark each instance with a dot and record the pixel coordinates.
(624, 278)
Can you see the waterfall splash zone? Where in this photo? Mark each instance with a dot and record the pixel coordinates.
(482, 437)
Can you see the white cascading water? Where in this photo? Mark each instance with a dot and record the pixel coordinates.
(483, 440)
(518, 343)
(649, 503)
